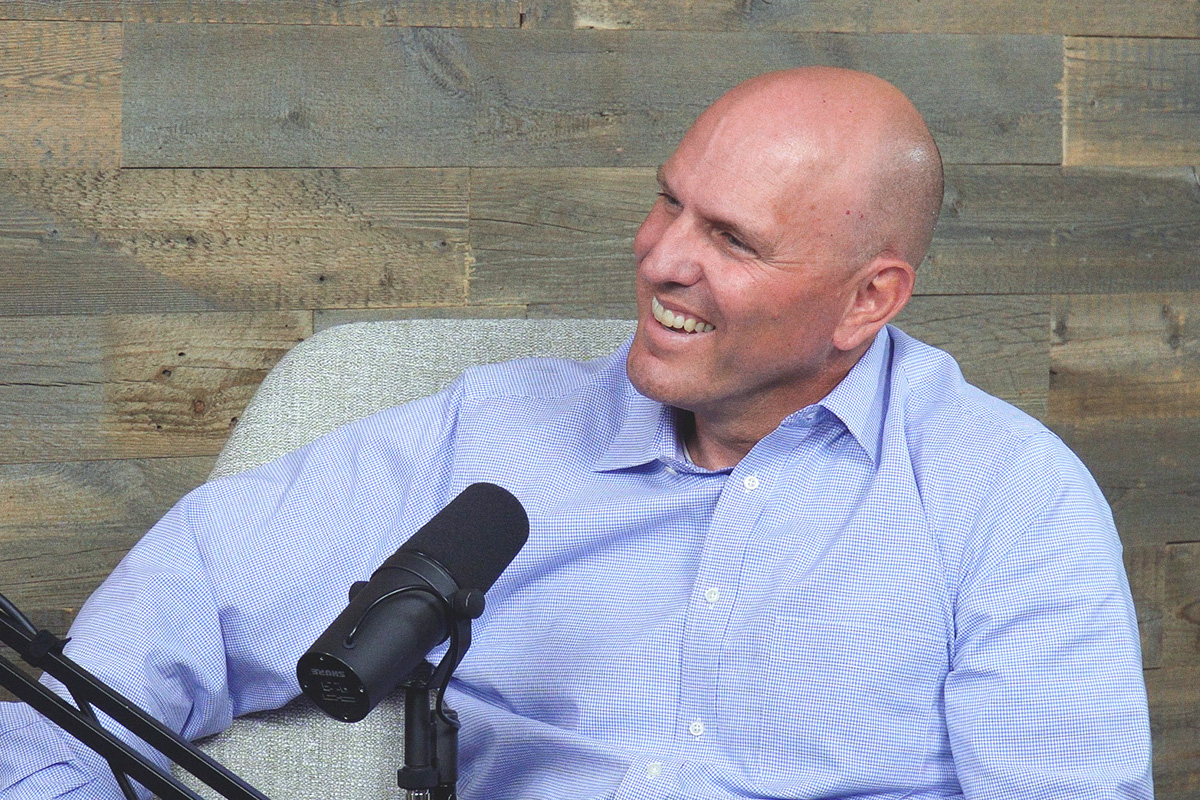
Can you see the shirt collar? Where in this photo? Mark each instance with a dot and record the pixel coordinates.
(647, 431)
(858, 401)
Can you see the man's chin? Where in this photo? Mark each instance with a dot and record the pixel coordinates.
(657, 380)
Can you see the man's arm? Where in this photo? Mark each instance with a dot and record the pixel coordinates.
(1045, 696)
(205, 617)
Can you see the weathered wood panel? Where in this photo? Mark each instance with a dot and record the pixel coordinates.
(174, 240)
(1145, 566)
(565, 236)
(1108, 18)
(1174, 701)
(1000, 341)
(1124, 383)
(64, 526)
(60, 95)
(76, 388)
(1149, 470)
(556, 235)
(1132, 102)
(1046, 229)
(442, 13)
(267, 95)
(1175, 729)
(1121, 357)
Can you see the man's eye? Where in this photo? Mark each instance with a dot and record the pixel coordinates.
(736, 243)
(671, 201)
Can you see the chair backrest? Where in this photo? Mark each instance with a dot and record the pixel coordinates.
(339, 375)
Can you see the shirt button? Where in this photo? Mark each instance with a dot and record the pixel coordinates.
(750, 482)
(653, 769)
(696, 728)
(712, 595)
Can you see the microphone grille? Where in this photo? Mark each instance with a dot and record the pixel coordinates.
(475, 536)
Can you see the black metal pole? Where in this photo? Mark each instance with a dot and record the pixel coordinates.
(43, 650)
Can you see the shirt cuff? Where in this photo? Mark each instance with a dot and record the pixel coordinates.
(36, 761)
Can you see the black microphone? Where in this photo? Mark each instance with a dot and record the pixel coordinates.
(409, 605)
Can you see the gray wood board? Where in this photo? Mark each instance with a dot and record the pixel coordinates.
(272, 95)
(1149, 470)
(1125, 394)
(182, 240)
(66, 525)
(1175, 729)
(1132, 102)
(565, 236)
(1179, 18)
(442, 13)
(93, 387)
(1146, 567)
(61, 89)
(1126, 357)
(1000, 341)
(1102, 18)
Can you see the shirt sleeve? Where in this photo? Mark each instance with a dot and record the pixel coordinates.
(1045, 696)
(205, 617)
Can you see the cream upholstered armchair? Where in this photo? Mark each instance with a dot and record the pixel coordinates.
(339, 375)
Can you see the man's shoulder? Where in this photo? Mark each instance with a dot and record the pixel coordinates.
(939, 402)
(957, 434)
(548, 379)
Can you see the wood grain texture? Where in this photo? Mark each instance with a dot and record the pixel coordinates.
(1047, 229)
(1000, 341)
(64, 526)
(1148, 469)
(1132, 102)
(1175, 729)
(133, 386)
(60, 95)
(442, 13)
(1124, 389)
(1109, 18)
(565, 236)
(1145, 566)
(556, 235)
(1174, 701)
(177, 240)
(267, 95)
(1123, 357)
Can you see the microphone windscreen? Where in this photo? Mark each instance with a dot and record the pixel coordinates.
(474, 537)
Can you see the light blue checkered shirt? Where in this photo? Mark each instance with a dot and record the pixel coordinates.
(909, 589)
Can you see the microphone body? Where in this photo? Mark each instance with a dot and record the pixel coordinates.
(408, 606)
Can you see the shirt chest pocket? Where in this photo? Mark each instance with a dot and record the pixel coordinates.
(841, 704)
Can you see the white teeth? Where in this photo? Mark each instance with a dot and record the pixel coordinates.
(678, 321)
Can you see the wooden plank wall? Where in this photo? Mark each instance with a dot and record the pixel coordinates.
(187, 188)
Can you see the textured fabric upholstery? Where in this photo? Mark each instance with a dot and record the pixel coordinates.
(338, 375)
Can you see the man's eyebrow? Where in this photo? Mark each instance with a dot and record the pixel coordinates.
(748, 236)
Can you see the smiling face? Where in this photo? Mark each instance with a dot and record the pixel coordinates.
(757, 270)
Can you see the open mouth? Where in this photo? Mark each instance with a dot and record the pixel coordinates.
(677, 320)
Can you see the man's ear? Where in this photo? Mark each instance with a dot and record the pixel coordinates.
(882, 290)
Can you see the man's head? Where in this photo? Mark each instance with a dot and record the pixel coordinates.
(791, 220)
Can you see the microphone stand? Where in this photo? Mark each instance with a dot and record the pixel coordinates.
(430, 770)
(43, 650)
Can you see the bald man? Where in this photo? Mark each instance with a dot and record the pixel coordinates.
(778, 548)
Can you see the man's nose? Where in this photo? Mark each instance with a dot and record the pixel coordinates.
(675, 251)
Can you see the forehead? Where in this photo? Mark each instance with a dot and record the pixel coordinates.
(732, 172)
